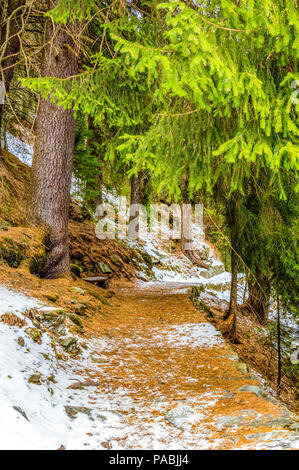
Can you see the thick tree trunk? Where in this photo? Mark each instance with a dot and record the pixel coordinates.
(53, 156)
(258, 302)
(11, 41)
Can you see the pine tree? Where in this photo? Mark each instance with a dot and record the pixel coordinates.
(53, 154)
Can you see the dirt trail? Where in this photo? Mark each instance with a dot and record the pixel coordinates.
(175, 382)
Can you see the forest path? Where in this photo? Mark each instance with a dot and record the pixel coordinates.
(173, 383)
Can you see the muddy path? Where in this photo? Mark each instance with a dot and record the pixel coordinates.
(173, 383)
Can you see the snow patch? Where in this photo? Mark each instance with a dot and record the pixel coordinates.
(20, 149)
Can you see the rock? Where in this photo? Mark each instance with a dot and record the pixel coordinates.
(76, 320)
(252, 389)
(35, 379)
(103, 415)
(72, 411)
(100, 281)
(178, 416)
(78, 290)
(71, 345)
(82, 385)
(117, 260)
(105, 268)
(52, 297)
(21, 341)
(22, 412)
(212, 271)
(80, 310)
(242, 367)
(34, 334)
(54, 321)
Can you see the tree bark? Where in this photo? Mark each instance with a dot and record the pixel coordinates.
(136, 195)
(136, 199)
(10, 39)
(231, 316)
(186, 227)
(98, 185)
(187, 237)
(258, 302)
(278, 349)
(53, 155)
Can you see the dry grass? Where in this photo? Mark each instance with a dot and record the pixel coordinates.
(12, 320)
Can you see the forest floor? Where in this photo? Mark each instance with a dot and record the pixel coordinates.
(184, 382)
(156, 375)
(152, 373)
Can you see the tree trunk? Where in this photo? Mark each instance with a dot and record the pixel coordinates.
(136, 195)
(186, 227)
(9, 36)
(258, 302)
(136, 199)
(98, 185)
(2, 128)
(278, 350)
(231, 316)
(53, 156)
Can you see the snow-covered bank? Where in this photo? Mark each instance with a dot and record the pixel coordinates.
(35, 414)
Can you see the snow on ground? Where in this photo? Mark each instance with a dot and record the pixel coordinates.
(15, 302)
(20, 149)
(52, 415)
(34, 416)
(196, 335)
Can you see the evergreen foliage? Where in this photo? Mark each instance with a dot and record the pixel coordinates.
(206, 89)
